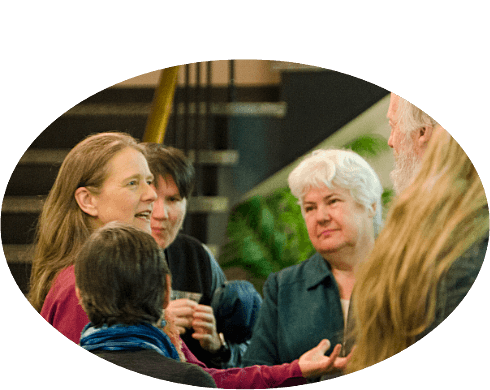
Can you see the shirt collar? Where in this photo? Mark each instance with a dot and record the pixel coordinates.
(318, 270)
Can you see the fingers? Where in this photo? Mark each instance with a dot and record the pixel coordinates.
(188, 314)
(204, 320)
(182, 304)
(341, 363)
(181, 310)
(205, 337)
(180, 329)
(203, 309)
(336, 352)
(204, 313)
(205, 326)
(314, 363)
(323, 346)
(181, 307)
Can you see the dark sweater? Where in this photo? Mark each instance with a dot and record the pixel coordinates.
(151, 363)
(193, 270)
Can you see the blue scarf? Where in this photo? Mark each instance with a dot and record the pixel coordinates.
(127, 338)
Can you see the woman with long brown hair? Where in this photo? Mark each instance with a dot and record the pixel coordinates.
(103, 178)
(425, 259)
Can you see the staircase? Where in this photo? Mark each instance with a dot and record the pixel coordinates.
(237, 138)
(127, 109)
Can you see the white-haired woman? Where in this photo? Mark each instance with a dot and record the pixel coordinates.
(340, 198)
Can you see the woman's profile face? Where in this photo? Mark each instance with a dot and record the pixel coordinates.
(335, 221)
(126, 194)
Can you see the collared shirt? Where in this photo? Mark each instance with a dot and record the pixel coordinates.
(301, 307)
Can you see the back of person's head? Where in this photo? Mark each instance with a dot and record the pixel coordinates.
(432, 223)
(167, 160)
(343, 169)
(63, 226)
(121, 274)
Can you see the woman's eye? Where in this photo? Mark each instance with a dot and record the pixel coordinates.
(133, 183)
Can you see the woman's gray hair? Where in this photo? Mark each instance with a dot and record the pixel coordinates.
(343, 169)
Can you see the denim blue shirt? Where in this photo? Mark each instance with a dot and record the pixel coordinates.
(301, 307)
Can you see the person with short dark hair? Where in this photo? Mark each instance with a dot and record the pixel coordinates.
(123, 284)
(194, 268)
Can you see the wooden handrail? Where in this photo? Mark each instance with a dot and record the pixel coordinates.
(161, 106)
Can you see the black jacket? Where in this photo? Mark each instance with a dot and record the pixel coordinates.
(194, 269)
(151, 363)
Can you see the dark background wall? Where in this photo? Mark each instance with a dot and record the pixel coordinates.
(318, 104)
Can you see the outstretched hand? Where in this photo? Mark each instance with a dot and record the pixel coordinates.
(314, 363)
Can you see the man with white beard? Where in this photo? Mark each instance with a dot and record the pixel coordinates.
(411, 130)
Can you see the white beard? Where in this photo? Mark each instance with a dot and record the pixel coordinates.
(406, 168)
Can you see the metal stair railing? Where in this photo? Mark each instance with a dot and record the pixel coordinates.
(161, 106)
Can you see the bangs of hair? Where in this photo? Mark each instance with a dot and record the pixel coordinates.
(166, 160)
(339, 168)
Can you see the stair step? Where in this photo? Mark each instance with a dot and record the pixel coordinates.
(43, 157)
(56, 157)
(22, 204)
(208, 204)
(34, 204)
(214, 157)
(23, 253)
(277, 109)
(18, 253)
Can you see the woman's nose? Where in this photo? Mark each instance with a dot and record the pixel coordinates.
(323, 214)
(159, 210)
(150, 194)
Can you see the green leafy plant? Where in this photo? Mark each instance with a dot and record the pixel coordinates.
(267, 234)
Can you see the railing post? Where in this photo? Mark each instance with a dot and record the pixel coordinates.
(231, 85)
(185, 112)
(196, 128)
(161, 106)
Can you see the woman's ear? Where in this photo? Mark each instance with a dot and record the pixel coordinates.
(79, 296)
(86, 201)
(372, 210)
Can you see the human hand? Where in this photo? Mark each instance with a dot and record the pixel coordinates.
(314, 363)
(204, 324)
(181, 311)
